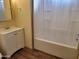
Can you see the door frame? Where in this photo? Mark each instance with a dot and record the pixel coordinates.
(32, 22)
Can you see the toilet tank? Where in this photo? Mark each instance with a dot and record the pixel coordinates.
(11, 40)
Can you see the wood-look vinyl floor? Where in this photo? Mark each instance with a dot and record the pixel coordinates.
(26, 53)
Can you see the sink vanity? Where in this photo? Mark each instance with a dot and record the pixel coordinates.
(11, 40)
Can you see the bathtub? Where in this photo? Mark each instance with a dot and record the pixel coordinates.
(57, 49)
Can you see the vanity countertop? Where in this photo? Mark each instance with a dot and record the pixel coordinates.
(9, 29)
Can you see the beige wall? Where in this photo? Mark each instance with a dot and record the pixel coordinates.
(22, 15)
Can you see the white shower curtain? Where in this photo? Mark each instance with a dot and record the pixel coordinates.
(57, 20)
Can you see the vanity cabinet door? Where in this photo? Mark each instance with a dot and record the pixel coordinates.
(12, 41)
(9, 43)
(20, 39)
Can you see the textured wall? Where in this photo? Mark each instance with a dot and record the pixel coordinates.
(22, 15)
